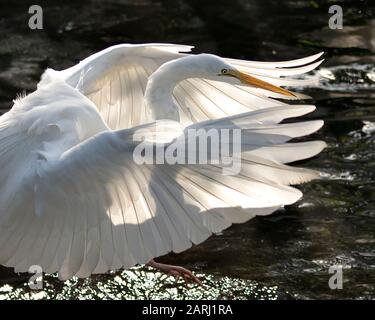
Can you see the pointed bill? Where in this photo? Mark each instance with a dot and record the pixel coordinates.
(257, 83)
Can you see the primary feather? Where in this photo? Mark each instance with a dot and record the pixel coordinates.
(73, 199)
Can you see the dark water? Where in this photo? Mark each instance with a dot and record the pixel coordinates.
(283, 256)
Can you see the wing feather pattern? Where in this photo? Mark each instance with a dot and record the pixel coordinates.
(95, 209)
(115, 80)
(74, 200)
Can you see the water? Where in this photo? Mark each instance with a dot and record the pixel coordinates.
(282, 256)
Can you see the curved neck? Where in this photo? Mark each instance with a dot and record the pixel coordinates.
(159, 90)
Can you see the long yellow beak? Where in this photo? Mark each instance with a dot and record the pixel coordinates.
(252, 81)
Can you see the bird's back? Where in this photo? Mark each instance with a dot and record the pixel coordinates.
(37, 131)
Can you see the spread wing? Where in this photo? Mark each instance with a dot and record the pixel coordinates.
(94, 208)
(115, 80)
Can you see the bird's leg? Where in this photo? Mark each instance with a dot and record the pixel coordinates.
(175, 271)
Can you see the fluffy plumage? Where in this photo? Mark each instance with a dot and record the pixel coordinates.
(72, 198)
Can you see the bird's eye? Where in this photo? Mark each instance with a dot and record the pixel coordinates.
(224, 71)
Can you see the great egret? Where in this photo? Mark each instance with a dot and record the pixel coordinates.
(74, 201)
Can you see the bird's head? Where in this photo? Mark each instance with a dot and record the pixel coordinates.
(213, 67)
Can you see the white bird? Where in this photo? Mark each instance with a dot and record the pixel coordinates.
(72, 198)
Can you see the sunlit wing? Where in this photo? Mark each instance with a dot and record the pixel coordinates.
(91, 208)
(115, 80)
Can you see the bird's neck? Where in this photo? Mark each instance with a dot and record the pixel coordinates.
(159, 91)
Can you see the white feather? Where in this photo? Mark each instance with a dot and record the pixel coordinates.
(115, 80)
(73, 199)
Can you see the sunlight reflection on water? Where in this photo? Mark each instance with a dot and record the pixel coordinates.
(141, 283)
(283, 256)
